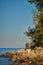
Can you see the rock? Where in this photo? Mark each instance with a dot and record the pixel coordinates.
(14, 58)
(1, 55)
(32, 54)
(39, 55)
(9, 54)
(25, 63)
(27, 57)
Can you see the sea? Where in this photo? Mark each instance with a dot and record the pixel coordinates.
(6, 61)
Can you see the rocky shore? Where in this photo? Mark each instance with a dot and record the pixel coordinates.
(26, 57)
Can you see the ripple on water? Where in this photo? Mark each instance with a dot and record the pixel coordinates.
(5, 61)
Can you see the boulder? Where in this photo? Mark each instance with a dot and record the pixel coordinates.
(27, 57)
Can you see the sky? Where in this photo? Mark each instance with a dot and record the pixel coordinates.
(15, 18)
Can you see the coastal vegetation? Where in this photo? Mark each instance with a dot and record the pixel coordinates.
(36, 33)
(27, 45)
(33, 54)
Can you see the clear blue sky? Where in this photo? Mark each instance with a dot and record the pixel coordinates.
(15, 17)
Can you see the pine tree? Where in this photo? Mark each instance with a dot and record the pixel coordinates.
(37, 32)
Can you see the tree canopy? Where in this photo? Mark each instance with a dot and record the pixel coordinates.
(38, 3)
(37, 32)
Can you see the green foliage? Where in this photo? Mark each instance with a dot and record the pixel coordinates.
(27, 45)
(30, 32)
(37, 32)
(38, 3)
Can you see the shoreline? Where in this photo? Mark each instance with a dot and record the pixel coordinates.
(28, 56)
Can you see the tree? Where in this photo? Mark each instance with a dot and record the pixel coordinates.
(37, 32)
(38, 3)
(27, 45)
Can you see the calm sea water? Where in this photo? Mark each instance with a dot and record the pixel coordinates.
(6, 61)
